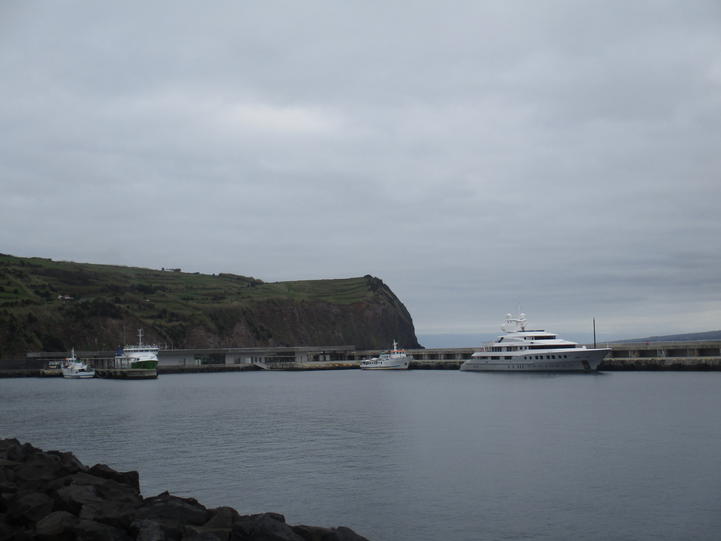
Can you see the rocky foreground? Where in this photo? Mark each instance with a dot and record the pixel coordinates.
(51, 495)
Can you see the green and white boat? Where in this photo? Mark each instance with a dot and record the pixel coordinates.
(143, 356)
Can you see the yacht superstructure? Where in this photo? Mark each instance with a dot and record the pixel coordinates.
(524, 350)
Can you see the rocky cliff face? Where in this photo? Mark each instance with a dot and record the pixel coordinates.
(371, 323)
(53, 306)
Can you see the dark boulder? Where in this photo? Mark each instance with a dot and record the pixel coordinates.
(57, 525)
(39, 469)
(222, 517)
(219, 526)
(201, 533)
(150, 530)
(129, 478)
(99, 499)
(169, 508)
(29, 507)
(72, 497)
(12, 449)
(315, 533)
(263, 527)
(89, 530)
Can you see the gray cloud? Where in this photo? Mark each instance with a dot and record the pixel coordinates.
(478, 156)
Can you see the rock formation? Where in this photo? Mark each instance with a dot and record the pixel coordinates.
(52, 496)
(55, 306)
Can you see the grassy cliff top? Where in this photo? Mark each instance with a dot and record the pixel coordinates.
(50, 305)
(38, 281)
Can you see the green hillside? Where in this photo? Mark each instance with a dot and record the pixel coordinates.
(54, 305)
(685, 337)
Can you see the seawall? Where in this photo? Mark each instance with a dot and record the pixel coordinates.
(672, 356)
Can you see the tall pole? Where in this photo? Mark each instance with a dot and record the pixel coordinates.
(594, 333)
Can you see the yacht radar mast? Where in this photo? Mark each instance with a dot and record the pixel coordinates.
(514, 324)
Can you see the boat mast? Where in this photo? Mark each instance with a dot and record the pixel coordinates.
(140, 337)
(594, 333)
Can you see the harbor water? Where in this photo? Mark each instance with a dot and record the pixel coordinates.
(410, 455)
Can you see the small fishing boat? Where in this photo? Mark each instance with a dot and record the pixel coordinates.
(74, 368)
(395, 359)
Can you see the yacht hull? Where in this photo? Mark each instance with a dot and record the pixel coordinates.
(586, 360)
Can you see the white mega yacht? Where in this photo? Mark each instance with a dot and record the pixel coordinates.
(522, 350)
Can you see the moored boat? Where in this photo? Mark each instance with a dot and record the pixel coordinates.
(395, 359)
(141, 356)
(524, 350)
(74, 368)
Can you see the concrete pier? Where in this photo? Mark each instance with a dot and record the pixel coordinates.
(126, 373)
(664, 356)
(704, 355)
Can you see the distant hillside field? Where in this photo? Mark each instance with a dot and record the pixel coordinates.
(50, 305)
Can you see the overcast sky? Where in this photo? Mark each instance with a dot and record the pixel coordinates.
(563, 157)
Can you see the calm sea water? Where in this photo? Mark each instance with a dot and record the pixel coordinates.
(416, 455)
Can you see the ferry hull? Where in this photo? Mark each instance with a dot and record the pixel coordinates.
(146, 365)
(585, 361)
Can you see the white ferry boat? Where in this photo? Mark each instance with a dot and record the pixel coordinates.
(523, 350)
(395, 359)
(74, 368)
(140, 356)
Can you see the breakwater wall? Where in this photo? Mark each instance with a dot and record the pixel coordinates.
(700, 355)
(676, 355)
(181, 369)
(51, 495)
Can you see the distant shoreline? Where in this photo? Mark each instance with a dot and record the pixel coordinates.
(610, 365)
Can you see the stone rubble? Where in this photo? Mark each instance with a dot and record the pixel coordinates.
(51, 495)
